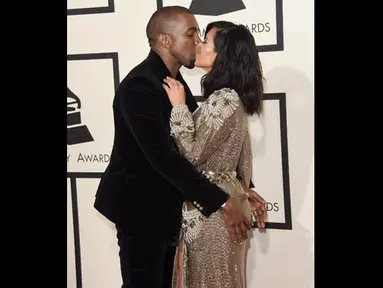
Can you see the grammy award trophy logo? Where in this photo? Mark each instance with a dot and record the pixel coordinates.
(77, 133)
(215, 7)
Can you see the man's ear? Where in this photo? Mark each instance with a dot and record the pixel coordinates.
(165, 41)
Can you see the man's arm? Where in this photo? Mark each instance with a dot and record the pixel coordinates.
(142, 111)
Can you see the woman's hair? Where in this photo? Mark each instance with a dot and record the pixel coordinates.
(237, 65)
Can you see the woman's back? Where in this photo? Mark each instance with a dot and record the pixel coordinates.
(223, 106)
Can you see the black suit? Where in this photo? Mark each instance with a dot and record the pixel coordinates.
(147, 180)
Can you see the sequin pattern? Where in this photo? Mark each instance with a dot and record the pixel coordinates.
(215, 139)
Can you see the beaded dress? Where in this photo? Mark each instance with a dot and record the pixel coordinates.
(216, 140)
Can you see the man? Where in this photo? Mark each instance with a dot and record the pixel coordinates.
(147, 180)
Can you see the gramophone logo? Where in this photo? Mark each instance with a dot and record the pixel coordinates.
(215, 7)
(77, 133)
(263, 18)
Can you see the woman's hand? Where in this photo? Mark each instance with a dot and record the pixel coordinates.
(175, 91)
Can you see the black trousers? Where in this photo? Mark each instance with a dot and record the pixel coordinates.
(146, 262)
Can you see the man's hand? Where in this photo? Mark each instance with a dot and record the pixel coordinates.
(236, 218)
(258, 208)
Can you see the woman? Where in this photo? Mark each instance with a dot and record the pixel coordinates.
(216, 139)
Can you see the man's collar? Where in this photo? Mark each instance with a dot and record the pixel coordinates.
(159, 65)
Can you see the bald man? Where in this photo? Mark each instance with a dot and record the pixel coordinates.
(147, 180)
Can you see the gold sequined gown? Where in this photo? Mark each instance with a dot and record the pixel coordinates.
(216, 140)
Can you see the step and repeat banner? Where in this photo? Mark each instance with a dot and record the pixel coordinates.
(106, 38)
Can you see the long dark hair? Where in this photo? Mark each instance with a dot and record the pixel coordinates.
(237, 65)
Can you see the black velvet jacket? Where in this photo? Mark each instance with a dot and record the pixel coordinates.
(147, 180)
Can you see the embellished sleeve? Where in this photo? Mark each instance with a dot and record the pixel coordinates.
(245, 167)
(198, 140)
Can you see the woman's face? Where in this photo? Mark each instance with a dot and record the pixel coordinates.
(205, 52)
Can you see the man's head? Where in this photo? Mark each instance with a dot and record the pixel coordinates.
(173, 31)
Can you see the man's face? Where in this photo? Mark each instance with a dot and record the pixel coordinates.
(185, 39)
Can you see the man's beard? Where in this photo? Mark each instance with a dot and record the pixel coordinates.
(190, 64)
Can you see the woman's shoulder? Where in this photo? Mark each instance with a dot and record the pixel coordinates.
(225, 94)
(222, 103)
